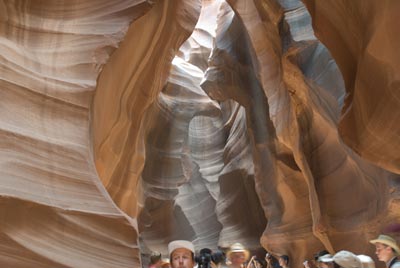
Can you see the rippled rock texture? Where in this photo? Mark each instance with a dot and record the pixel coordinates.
(126, 124)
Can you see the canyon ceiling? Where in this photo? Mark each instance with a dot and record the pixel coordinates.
(125, 124)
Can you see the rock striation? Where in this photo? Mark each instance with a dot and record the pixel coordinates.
(127, 124)
(55, 212)
(363, 41)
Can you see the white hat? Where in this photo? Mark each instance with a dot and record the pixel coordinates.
(388, 241)
(325, 258)
(237, 247)
(366, 261)
(180, 244)
(346, 259)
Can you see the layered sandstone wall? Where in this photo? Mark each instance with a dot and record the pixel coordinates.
(126, 124)
(55, 212)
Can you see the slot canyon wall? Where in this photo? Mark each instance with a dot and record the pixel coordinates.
(127, 124)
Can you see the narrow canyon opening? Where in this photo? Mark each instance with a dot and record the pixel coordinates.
(237, 139)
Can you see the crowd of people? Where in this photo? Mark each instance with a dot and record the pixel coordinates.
(182, 255)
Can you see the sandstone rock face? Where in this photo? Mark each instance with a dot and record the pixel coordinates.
(55, 212)
(367, 55)
(127, 124)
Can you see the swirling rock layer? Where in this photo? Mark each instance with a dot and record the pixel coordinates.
(55, 212)
(126, 124)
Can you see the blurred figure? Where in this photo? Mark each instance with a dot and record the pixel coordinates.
(254, 263)
(325, 261)
(320, 254)
(387, 250)
(155, 260)
(284, 261)
(209, 259)
(315, 262)
(308, 264)
(272, 262)
(236, 256)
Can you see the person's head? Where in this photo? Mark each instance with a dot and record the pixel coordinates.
(325, 261)
(385, 247)
(181, 253)
(366, 261)
(268, 257)
(237, 254)
(347, 259)
(320, 254)
(283, 260)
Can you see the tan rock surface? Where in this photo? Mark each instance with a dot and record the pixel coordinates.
(294, 176)
(55, 212)
(363, 40)
(249, 134)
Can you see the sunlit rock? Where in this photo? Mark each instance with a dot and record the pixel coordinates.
(127, 124)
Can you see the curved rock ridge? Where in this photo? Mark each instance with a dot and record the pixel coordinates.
(181, 109)
(124, 93)
(363, 41)
(284, 94)
(293, 125)
(127, 124)
(198, 163)
(55, 212)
